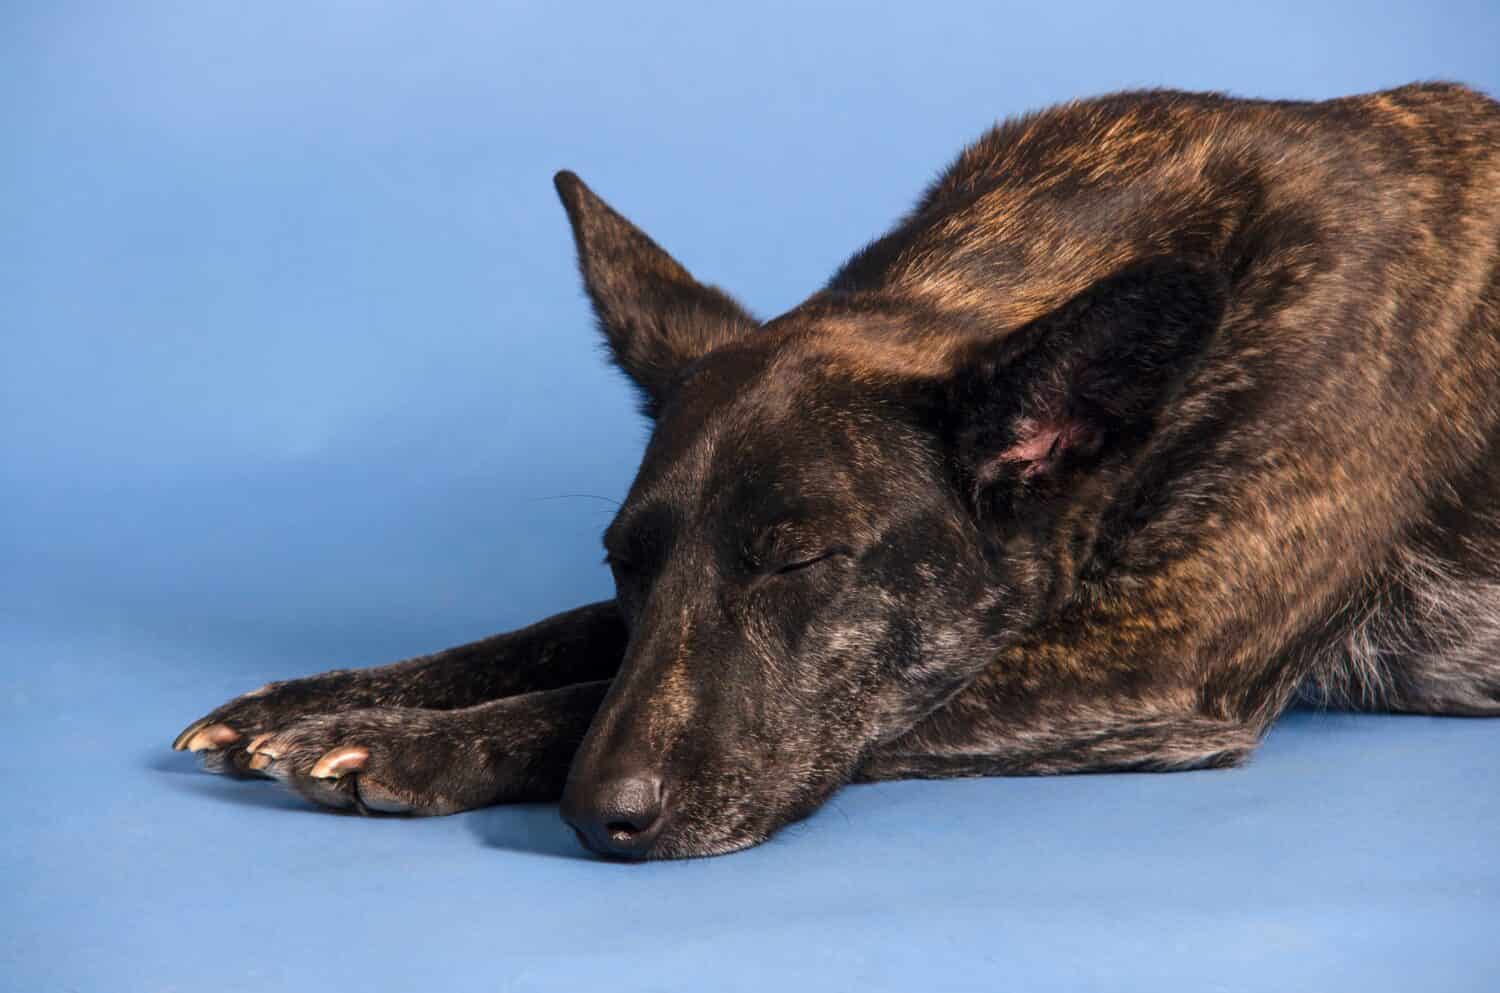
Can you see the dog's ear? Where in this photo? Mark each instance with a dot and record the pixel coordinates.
(655, 316)
(1078, 389)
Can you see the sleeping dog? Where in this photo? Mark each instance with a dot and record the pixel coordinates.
(1158, 412)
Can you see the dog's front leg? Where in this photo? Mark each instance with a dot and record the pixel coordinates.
(981, 733)
(1057, 705)
(578, 646)
(1060, 744)
(413, 761)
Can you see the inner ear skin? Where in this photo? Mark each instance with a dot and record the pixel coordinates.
(1039, 447)
(1080, 386)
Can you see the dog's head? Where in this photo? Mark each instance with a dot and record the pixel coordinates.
(839, 516)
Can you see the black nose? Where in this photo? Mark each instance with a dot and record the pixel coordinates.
(619, 817)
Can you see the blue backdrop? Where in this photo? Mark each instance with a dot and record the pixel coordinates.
(295, 372)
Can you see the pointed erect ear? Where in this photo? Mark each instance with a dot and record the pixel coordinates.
(655, 317)
(1080, 388)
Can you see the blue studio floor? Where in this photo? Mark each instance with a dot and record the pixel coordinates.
(1354, 853)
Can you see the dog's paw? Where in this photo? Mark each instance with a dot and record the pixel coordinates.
(221, 738)
(384, 760)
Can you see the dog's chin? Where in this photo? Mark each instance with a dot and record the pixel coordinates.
(701, 842)
(674, 848)
(671, 848)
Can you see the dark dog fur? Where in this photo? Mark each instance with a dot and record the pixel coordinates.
(1157, 411)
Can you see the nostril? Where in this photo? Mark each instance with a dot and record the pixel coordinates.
(622, 830)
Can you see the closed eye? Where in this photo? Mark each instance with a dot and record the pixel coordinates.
(806, 563)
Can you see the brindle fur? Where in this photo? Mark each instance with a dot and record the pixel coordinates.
(1158, 409)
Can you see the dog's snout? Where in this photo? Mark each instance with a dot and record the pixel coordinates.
(619, 817)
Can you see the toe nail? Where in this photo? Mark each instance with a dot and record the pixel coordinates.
(261, 753)
(339, 762)
(257, 746)
(181, 741)
(212, 738)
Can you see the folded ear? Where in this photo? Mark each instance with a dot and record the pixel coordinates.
(1080, 388)
(655, 317)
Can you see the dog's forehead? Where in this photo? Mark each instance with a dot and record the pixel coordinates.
(745, 406)
(764, 415)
